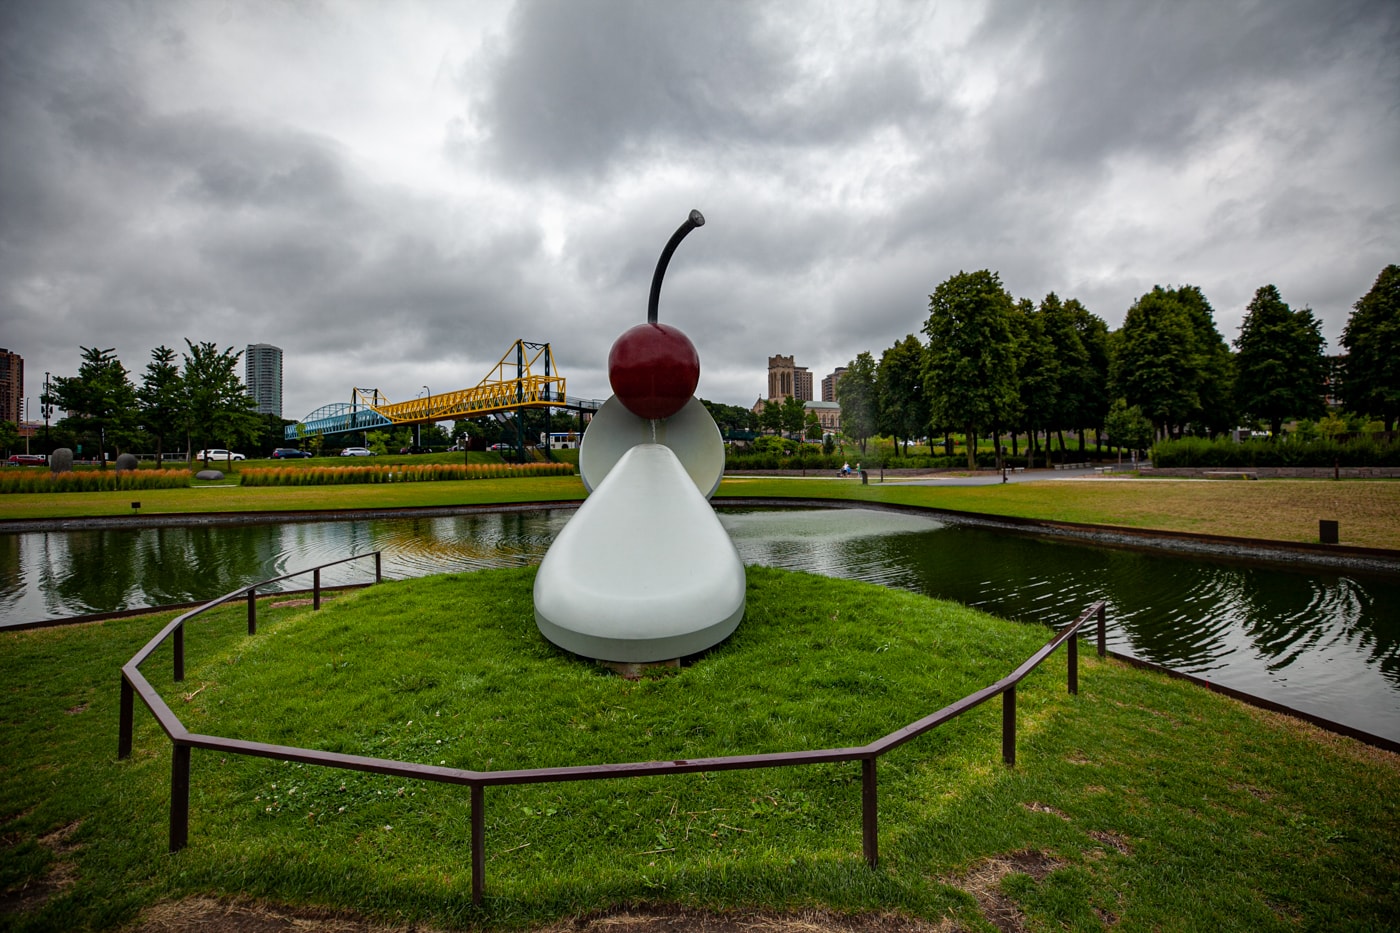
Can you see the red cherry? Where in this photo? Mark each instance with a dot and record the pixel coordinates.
(654, 370)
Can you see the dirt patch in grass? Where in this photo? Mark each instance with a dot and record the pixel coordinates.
(983, 882)
(60, 876)
(211, 915)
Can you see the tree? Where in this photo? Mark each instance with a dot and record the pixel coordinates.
(971, 367)
(856, 393)
(771, 418)
(794, 416)
(812, 427)
(1280, 368)
(1172, 363)
(161, 398)
(1093, 398)
(1037, 373)
(899, 391)
(9, 435)
(100, 401)
(217, 406)
(1127, 426)
(1213, 365)
(1371, 374)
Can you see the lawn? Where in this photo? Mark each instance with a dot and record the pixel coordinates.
(1142, 803)
(1368, 511)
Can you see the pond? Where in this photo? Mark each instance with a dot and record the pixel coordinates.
(1323, 642)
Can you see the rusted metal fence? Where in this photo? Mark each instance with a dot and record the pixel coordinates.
(133, 682)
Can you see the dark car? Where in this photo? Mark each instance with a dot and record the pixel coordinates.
(28, 460)
(290, 453)
(414, 449)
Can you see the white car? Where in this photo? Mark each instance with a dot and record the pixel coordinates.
(218, 455)
(356, 452)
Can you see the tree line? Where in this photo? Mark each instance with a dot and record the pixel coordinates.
(991, 365)
(196, 402)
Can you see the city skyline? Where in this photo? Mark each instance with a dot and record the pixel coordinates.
(393, 194)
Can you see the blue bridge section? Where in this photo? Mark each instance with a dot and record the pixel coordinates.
(338, 418)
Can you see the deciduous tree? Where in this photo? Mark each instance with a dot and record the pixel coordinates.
(900, 399)
(1371, 377)
(1280, 366)
(856, 393)
(971, 371)
(216, 403)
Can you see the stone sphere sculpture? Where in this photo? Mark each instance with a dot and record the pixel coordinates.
(126, 462)
(61, 460)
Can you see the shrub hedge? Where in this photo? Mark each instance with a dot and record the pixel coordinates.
(39, 480)
(1223, 452)
(396, 473)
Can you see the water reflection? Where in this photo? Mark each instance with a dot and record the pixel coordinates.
(1324, 642)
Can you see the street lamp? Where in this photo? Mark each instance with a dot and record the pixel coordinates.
(427, 407)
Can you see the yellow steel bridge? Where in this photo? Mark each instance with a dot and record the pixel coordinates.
(525, 377)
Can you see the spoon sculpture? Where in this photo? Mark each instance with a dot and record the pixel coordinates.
(644, 571)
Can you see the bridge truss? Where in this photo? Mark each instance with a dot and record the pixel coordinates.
(513, 383)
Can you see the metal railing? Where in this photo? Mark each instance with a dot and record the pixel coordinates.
(477, 781)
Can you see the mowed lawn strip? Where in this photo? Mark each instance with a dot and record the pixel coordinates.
(1368, 511)
(1142, 803)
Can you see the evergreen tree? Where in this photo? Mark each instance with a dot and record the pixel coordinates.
(100, 401)
(1281, 368)
(161, 398)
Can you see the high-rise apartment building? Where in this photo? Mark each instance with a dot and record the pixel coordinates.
(262, 366)
(785, 378)
(11, 387)
(829, 384)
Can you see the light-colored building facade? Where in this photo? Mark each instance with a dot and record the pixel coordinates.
(11, 387)
(262, 367)
(829, 384)
(786, 378)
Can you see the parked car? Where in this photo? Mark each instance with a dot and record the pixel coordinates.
(506, 447)
(218, 454)
(414, 449)
(290, 453)
(357, 452)
(28, 460)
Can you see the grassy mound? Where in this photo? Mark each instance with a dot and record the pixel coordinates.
(1142, 801)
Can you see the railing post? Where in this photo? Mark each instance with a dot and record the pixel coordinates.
(1103, 634)
(378, 568)
(869, 812)
(1072, 661)
(316, 588)
(478, 843)
(1008, 726)
(178, 646)
(252, 611)
(179, 797)
(125, 719)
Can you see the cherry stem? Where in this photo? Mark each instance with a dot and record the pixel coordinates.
(696, 219)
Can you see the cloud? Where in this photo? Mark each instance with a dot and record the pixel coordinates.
(395, 193)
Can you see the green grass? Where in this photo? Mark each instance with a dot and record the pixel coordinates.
(1281, 510)
(1145, 802)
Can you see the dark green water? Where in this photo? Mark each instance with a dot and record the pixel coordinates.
(1325, 643)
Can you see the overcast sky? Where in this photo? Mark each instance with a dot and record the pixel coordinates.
(393, 192)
